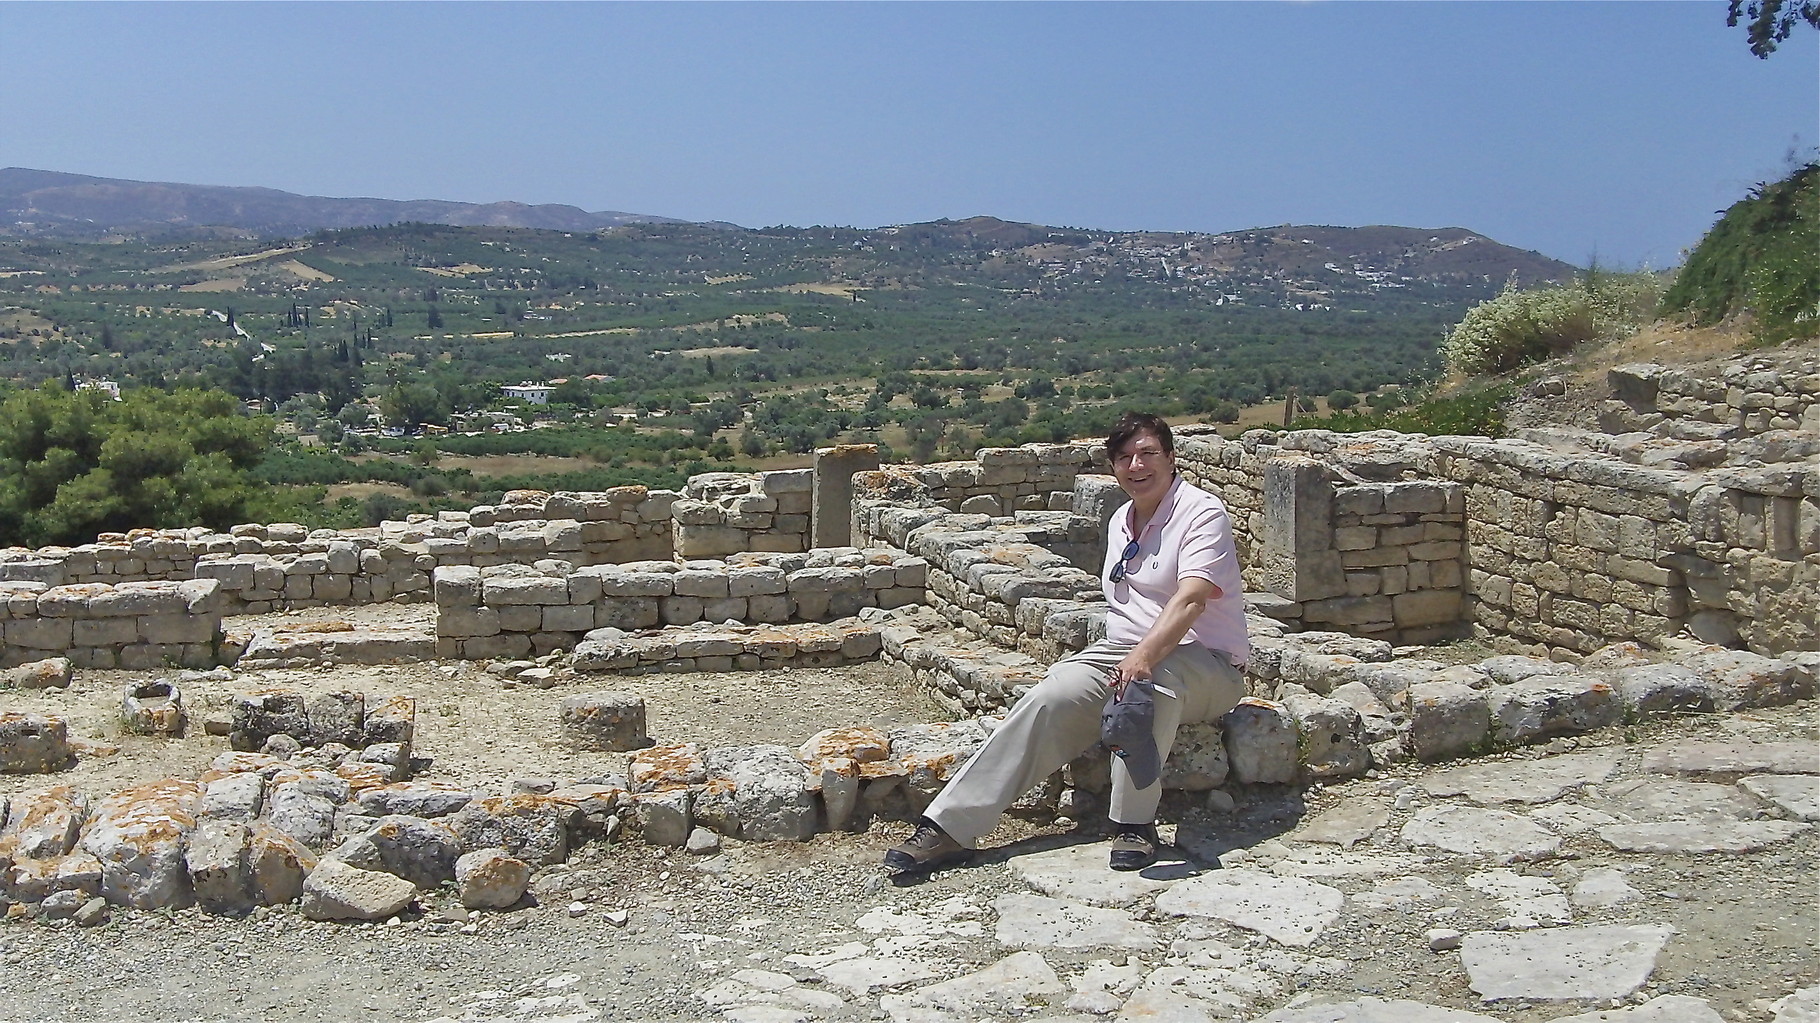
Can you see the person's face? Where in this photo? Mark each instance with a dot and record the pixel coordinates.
(1144, 468)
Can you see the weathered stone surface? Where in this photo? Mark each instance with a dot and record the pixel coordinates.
(1562, 963)
(414, 799)
(1664, 1009)
(1700, 836)
(48, 673)
(1547, 705)
(664, 817)
(138, 835)
(1035, 921)
(605, 721)
(1524, 781)
(341, 891)
(215, 856)
(1346, 825)
(1733, 757)
(491, 879)
(1797, 794)
(1078, 873)
(46, 823)
(1530, 901)
(666, 767)
(237, 797)
(531, 827)
(1290, 911)
(304, 806)
(1016, 980)
(152, 708)
(1497, 835)
(771, 793)
(1331, 736)
(1261, 742)
(277, 864)
(33, 743)
(1374, 1010)
(420, 851)
(1447, 719)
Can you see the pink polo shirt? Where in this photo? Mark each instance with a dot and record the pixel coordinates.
(1190, 536)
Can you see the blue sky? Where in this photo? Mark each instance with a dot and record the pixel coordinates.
(1616, 130)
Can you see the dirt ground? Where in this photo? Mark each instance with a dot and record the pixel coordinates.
(475, 727)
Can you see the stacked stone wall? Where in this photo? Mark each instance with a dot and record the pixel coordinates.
(1746, 398)
(138, 625)
(1000, 481)
(515, 610)
(722, 513)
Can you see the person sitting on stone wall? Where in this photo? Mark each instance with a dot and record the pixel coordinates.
(1175, 643)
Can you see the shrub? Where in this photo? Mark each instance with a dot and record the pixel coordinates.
(1760, 257)
(1520, 327)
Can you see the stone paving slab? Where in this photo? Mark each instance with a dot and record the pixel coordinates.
(1702, 836)
(1734, 757)
(1797, 794)
(1287, 910)
(1079, 873)
(1037, 921)
(1801, 1007)
(1374, 1010)
(1562, 963)
(1530, 901)
(1666, 799)
(1346, 825)
(1523, 781)
(1498, 835)
(1015, 980)
(1666, 1009)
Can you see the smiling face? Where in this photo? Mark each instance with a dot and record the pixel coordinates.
(1145, 468)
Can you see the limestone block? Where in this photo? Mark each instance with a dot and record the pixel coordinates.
(1546, 705)
(665, 818)
(491, 879)
(172, 629)
(666, 767)
(1261, 742)
(509, 590)
(605, 721)
(532, 827)
(679, 610)
(466, 621)
(631, 583)
(303, 806)
(339, 891)
(771, 792)
(628, 613)
(45, 824)
(215, 857)
(419, 851)
(752, 580)
(1198, 761)
(574, 618)
(1447, 719)
(49, 634)
(236, 797)
(390, 720)
(1333, 742)
(33, 743)
(138, 835)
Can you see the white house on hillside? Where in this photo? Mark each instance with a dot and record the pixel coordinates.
(529, 393)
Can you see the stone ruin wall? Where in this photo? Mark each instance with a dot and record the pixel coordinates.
(1388, 537)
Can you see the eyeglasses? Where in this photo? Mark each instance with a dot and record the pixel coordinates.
(1149, 455)
(1118, 571)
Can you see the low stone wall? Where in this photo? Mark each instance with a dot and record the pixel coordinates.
(711, 647)
(1748, 397)
(138, 625)
(722, 513)
(999, 481)
(514, 610)
(264, 567)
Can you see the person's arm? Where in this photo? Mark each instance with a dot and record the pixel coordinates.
(1190, 600)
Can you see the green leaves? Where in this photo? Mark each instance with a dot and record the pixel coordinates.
(74, 465)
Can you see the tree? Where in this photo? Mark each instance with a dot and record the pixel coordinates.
(1770, 22)
(75, 465)
(1340, 401)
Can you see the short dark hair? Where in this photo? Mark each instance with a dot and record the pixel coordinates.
(1133, 423)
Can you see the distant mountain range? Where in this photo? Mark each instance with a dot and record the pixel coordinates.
(1309, 260)
(35, 202)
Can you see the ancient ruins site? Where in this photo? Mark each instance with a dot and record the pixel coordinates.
(1532, 736)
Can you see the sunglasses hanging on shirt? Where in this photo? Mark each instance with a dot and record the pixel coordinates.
(1118, 571)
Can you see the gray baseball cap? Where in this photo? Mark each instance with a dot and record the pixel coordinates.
(1128, 727)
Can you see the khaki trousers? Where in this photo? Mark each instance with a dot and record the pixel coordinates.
(1059, 720)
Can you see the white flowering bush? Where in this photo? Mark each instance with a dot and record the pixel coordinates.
(1520, 327)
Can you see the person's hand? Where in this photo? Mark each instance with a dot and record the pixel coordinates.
(1132, 668)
